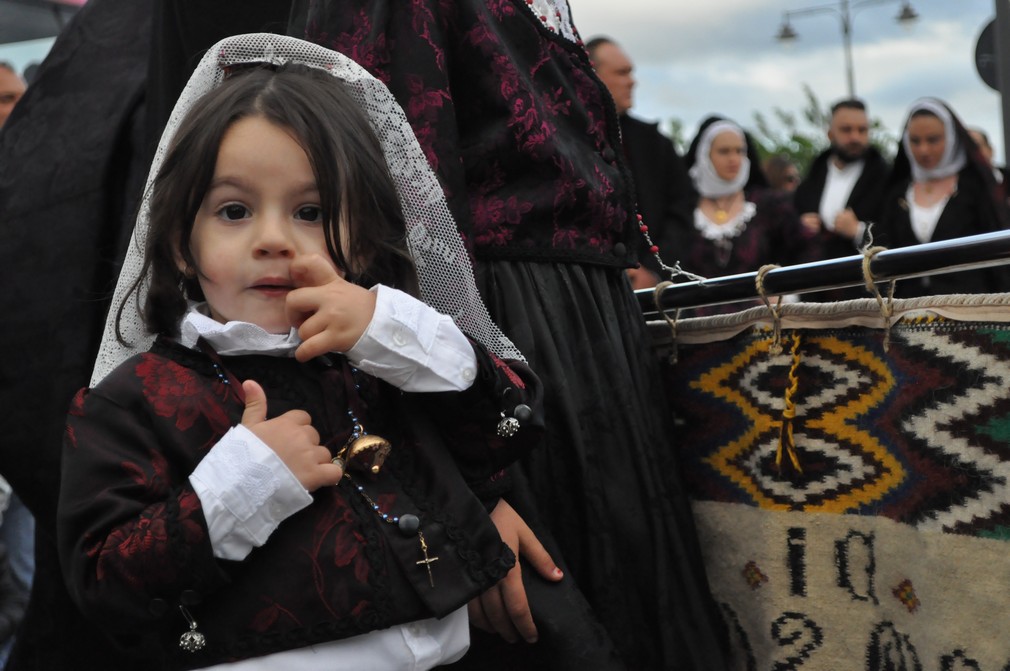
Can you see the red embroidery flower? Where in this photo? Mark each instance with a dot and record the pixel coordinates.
(118, 554)
(424, 103)
(175, 391)
(514, 209)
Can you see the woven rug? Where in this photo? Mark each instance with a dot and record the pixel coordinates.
(852, 490)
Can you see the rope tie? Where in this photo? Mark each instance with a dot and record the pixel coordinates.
(672, 322)
(886, 309)
(786, 442)
(773, 310)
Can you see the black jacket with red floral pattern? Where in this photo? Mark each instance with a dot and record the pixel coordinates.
(134, 542)
(522, 134)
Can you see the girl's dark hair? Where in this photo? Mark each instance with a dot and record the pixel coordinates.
(355, 187)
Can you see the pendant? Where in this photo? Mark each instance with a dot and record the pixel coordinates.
(508, 426)
(427, 561)
(365, 453)
(192, 640)
(721, 216)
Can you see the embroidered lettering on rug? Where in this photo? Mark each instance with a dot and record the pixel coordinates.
(860, 521)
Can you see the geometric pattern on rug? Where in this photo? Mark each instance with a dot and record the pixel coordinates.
(919, 434)
(959, 427)
(845, 466)
(886, 549)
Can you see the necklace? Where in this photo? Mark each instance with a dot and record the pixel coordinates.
(408, 525)
(366, 452)
(363, 451)
(723, 206)
(943, 186)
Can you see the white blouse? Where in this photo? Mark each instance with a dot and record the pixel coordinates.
(923, 218)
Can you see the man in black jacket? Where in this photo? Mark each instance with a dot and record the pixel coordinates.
(844, 188)
(661, 182)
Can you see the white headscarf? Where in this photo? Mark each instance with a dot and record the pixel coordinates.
(443, 266)
(954, 155)
(706, 181)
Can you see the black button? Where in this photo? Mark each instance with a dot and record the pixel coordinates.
(157, 607)
(608, 155)
(409, 524)
(523, 412)
(620, 249)
(190, 597)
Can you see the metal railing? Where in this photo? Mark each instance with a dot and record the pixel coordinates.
(932, 258)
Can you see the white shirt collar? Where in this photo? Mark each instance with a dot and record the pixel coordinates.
(234, 338)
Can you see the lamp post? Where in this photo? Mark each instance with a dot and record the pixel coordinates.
(843, 9)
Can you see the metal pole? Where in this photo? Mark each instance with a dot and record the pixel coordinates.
(847, 43)
(932, 258)
(1002, 39)
(58, 15)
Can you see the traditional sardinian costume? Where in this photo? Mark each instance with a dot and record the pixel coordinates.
(183, 573)
(766, 230)
(525, 141)
(977, 206)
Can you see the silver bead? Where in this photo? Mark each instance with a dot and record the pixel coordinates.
(192, 641)
(508, 426)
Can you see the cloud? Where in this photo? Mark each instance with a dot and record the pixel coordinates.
(696, 58)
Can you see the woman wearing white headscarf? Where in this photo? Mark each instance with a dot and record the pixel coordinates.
(941, 188)
(738, 223)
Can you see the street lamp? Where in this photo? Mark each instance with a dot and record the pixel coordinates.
(843, 9)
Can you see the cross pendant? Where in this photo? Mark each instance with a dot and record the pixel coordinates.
(427, 561)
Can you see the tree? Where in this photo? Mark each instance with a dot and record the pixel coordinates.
(803, 144)
(676, 134)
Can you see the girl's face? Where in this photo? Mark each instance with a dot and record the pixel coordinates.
(261, 210)
(927, 139)
(727, 154)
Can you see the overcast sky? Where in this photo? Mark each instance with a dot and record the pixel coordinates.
(697, 57)
(694, 58)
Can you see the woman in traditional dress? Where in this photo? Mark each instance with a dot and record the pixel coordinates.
(739, 224)
(940, 188)
(526, 143)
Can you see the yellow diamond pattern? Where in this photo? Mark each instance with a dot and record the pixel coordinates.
(834, 421)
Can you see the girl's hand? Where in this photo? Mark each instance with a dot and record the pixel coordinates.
(292, 437)
(329, 312)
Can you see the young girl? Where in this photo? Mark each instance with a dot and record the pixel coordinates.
(297, 472)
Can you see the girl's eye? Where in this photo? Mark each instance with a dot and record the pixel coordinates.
(233, 212)
(312, 213)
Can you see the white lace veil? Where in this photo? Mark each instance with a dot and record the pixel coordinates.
(706, 181)
(443, 266)
(954, 156)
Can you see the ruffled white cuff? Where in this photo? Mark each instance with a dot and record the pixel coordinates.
(246, 491)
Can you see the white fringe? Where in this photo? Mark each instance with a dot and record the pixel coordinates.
(840, 314)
